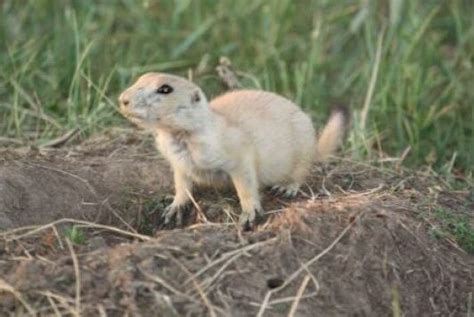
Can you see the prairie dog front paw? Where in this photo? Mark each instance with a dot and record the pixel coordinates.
(175, 211)
(248, 219)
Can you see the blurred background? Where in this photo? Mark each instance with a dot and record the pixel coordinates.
(404, 67)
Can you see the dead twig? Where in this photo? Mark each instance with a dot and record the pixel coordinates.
(228, 255)
(10, 140)
(199, 289)
(11, 234)
(53, 306)
(77, 273)
(62, 140)
(58, 237)
(66, 303)
(201, 216)
(160, 281)
(117, 215)
(207, 283)
(82, 180)
(298, 296)
(402, 158)
(368, 192)
(101, 310)
(4, 286)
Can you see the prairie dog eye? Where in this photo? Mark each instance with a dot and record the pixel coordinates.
(164, 89)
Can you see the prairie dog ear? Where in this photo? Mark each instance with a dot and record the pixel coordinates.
(195, 97)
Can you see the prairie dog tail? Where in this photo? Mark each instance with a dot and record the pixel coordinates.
(333, 132)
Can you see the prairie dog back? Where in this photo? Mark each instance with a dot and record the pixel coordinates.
(283, 135)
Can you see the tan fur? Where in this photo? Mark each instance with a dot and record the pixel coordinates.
(331, 136)
(250, 138)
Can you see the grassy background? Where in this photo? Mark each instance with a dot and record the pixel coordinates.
(62, 64)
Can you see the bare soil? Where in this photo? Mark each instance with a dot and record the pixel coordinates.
(356, 242)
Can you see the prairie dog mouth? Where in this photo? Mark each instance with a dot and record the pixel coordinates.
(133, 115)
(139, 117)
(130, 114)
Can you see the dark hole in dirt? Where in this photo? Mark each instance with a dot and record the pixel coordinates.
(275, 282)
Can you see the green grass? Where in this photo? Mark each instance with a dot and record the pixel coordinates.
(75, 235)
(456, 227)
(64, 62)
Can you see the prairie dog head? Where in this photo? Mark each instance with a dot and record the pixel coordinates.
(158, 100)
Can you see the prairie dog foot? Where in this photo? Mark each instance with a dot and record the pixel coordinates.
(175, 211)
(248, 220)
(288, 191)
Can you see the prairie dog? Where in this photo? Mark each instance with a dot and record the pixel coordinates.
(247, 137)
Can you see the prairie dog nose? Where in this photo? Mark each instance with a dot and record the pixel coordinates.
(124, 100)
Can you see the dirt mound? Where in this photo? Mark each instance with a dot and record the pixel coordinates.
(39, 186)
(358, 241)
